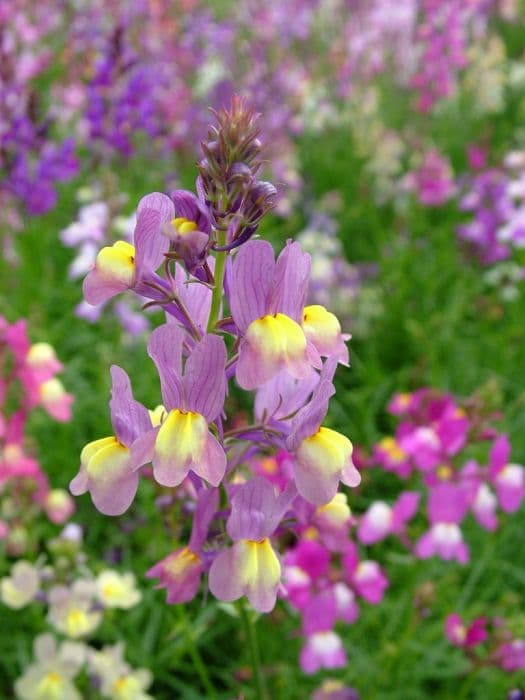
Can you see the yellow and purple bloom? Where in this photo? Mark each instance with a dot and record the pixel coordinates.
(251, 567)
(124, 266)
(193, 400)
(267, 301)
(107, 465)
(189, 230)
(180, 572)
(323, 457)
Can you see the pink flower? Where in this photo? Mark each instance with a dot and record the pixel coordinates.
(462, 636)
(322, 650)
(381, 520)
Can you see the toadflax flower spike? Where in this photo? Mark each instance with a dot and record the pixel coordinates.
(193, 400)
(106, 464)
(251, 567)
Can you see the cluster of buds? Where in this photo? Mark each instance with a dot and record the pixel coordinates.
(236, 313)
(227, 183)
(27, 380)
(430, 443)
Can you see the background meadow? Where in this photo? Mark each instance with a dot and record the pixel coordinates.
(353, 97)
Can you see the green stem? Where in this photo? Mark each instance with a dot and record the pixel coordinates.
(220, 264)
(251, 635)
(196, 657)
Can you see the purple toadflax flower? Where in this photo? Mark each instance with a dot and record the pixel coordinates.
(189, 231)
(106, 465)
(267, 300)
(251, 567)
(322, 456)
(381, 519)
(193, 399)
(124, 266)
(446, 508)
(180, 572)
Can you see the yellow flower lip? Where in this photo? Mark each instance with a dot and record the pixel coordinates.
(183, 225)
(277, 336)
(104, 457)
(117, 262)
(182, 435)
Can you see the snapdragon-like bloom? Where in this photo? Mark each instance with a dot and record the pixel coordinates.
(189, 230)
(462, 636)
(19, 589)
(323, 330)
(124, 266)
(267, 301)
(55, 399)
(180, 572)
(115, 590)
(193, 401)
(366, 577)
(51, 675)
(116, 679)
(106, 465)
(446, 509)
(508, 479)
(322, 650)
(251, 567)
(322, 456)
(381, 520)
(71, 610)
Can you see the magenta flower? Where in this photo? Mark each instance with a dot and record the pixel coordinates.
(322, 650)
(511, 655)
(251, 567)
(106, 465)
(366, 577)
(433, 181)
(381, 520)
(465, 637)
(508, 479)
(124, 266)
(267, 301)
(180, 572)
(423, 445)
(446, 509)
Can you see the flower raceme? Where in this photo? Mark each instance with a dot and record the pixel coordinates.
(233, 311)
